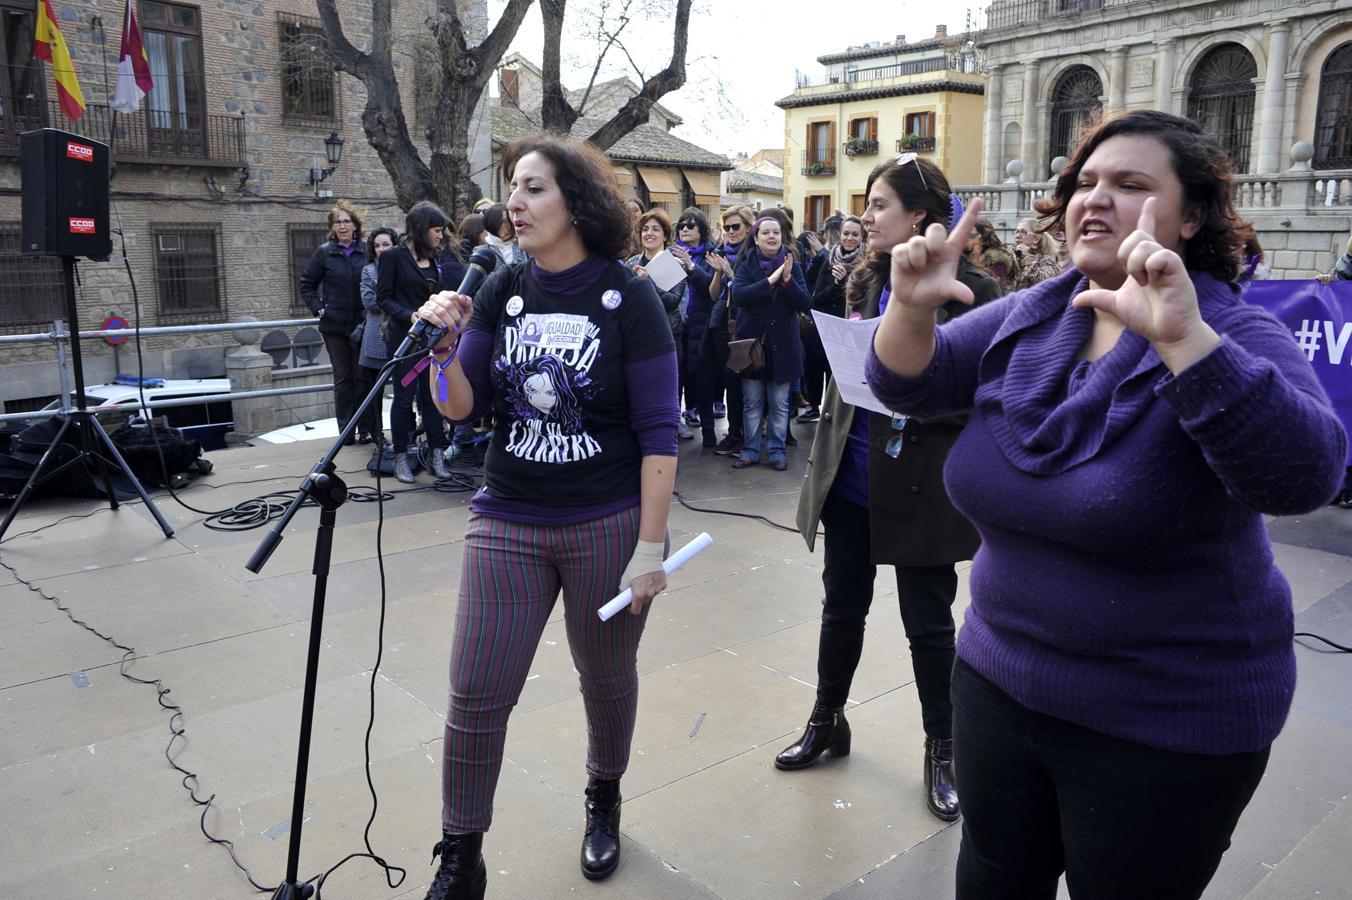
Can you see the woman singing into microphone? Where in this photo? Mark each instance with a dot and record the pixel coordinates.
(573, 354)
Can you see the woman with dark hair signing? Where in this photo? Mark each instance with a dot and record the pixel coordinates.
(336, 268)
(406, 276)
(875, 482)
(1127, 659)
(573, 353)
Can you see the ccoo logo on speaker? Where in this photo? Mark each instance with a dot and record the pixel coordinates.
(82, 152)
(82, 226)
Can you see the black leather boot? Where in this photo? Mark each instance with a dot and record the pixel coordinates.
(826, 730)
(941, 793)
(462, 874)
(601, 842)
(403, 469)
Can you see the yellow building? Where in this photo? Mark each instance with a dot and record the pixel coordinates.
(874, 101)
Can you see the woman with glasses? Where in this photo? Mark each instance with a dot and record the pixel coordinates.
(692, 252)
(875, 484)
(335, 269)
(1035, 256)
(770, 292)
(1127, 659)
(736, 227)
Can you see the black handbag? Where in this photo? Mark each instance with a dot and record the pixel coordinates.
(747, 357)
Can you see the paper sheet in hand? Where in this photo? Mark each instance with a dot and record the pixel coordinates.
(847, 342)
(665, 271)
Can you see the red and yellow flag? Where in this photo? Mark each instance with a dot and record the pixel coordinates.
(51, 46)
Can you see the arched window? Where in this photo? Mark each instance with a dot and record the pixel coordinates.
(1010, 149)
(1075, 102)
(1333, 120)
(1221, 99)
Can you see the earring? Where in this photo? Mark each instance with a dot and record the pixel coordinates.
(915, 228)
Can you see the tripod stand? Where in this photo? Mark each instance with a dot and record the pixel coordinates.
(93, 438)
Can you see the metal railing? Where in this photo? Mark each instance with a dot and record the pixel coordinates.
(860, 147)
(877, 73)
(145, 136)
(913, 144)
(1005, 14)
(152, 403)
(247, 325)
(819, 161)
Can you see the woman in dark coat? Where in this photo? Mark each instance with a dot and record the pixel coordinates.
(875, 483)
(336, 268)
(770, 294)
(828, 296)
(406, 277)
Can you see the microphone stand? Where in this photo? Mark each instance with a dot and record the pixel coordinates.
(329, 491)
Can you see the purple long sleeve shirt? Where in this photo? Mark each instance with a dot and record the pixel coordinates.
(1125, 580)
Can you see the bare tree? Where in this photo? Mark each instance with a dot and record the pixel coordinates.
(464, 71)
(557, 114)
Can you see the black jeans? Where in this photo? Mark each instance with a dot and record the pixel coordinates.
(816, 368)
(373, 422)
(717, 360)
(926, 599)
(343, 357)
(401, 409)
(1123, 820)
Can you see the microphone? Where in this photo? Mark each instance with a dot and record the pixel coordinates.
(481, 262)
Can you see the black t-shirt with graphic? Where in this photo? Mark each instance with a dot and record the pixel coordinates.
(562, 434)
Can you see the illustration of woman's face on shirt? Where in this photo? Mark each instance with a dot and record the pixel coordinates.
(540, 392)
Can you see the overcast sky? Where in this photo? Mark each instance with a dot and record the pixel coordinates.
(740, 60)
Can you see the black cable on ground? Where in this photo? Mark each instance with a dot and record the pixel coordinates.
(728, 512)
(1317, 637)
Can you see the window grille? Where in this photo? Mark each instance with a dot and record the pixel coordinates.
(1075, 104)
(1221, 99)
(188, 271)
(32, 290)
(1333, 120)
(308, 77)
(303, 241)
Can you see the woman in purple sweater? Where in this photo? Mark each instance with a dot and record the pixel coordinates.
(573, 353)
(1126, 661)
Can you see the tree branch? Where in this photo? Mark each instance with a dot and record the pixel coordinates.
(639, 107)
(556, 113)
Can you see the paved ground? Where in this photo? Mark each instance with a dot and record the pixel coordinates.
(91, 809)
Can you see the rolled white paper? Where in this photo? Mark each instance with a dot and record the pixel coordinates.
(701, 542)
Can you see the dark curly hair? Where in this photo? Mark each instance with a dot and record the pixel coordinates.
(921, 186)
(1203, 167)
(585, 177)
(371, 241)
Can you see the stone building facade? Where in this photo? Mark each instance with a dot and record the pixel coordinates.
(213, 187)
(1264, 76)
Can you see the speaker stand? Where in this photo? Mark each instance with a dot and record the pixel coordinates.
(92, 434)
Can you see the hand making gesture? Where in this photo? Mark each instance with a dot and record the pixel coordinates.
(1157, 300)
(925, 268)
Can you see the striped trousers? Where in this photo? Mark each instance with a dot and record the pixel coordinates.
(511, 576)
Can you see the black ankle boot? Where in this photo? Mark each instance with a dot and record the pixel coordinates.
(601, 842)
(826, 730)
(941, 793)
(462, 874)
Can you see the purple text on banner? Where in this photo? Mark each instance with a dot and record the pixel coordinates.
(1320, 319)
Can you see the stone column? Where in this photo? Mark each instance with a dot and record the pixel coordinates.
(1270, 128)
(1164, 79)
(250, 369)
(1032, 124)
(995, 132)
(1117, 79)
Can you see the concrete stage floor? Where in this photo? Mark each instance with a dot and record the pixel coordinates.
(90, 808)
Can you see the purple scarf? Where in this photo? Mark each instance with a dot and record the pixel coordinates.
(572, 281)
(769, 263)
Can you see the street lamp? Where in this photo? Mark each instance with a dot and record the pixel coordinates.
(333, 150)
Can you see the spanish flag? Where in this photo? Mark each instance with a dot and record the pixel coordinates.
(51, 46)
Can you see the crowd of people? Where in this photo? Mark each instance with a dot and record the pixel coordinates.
(1092, 414)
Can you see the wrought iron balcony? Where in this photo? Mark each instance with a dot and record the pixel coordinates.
(860, 147)
(1008, 14)
(145, 136)
(819, 161)
(915, 144)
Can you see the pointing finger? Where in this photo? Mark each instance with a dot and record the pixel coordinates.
(1146, 222)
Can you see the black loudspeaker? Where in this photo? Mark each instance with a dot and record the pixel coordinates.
(64, 181)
